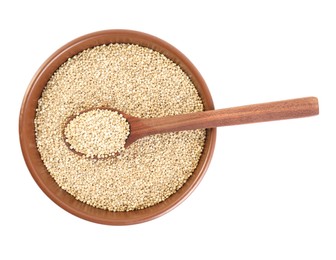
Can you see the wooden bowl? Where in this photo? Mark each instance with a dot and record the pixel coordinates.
(32, 156)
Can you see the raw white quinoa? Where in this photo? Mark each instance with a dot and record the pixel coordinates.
(140, 82)
(97, 133)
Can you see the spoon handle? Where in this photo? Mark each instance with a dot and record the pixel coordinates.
(286, 109)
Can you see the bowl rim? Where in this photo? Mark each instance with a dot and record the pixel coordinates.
(27, 128)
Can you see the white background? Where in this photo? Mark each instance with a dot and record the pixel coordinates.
(270, 192)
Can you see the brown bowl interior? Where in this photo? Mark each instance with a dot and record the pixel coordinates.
(32, 156)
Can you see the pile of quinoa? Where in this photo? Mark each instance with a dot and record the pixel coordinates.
(97, 133)
(140, 82)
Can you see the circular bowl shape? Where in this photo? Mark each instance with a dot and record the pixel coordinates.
(31, 153)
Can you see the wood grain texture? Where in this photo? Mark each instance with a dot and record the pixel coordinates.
(287, 109)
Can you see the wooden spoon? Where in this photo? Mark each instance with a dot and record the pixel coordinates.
(287, 109)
